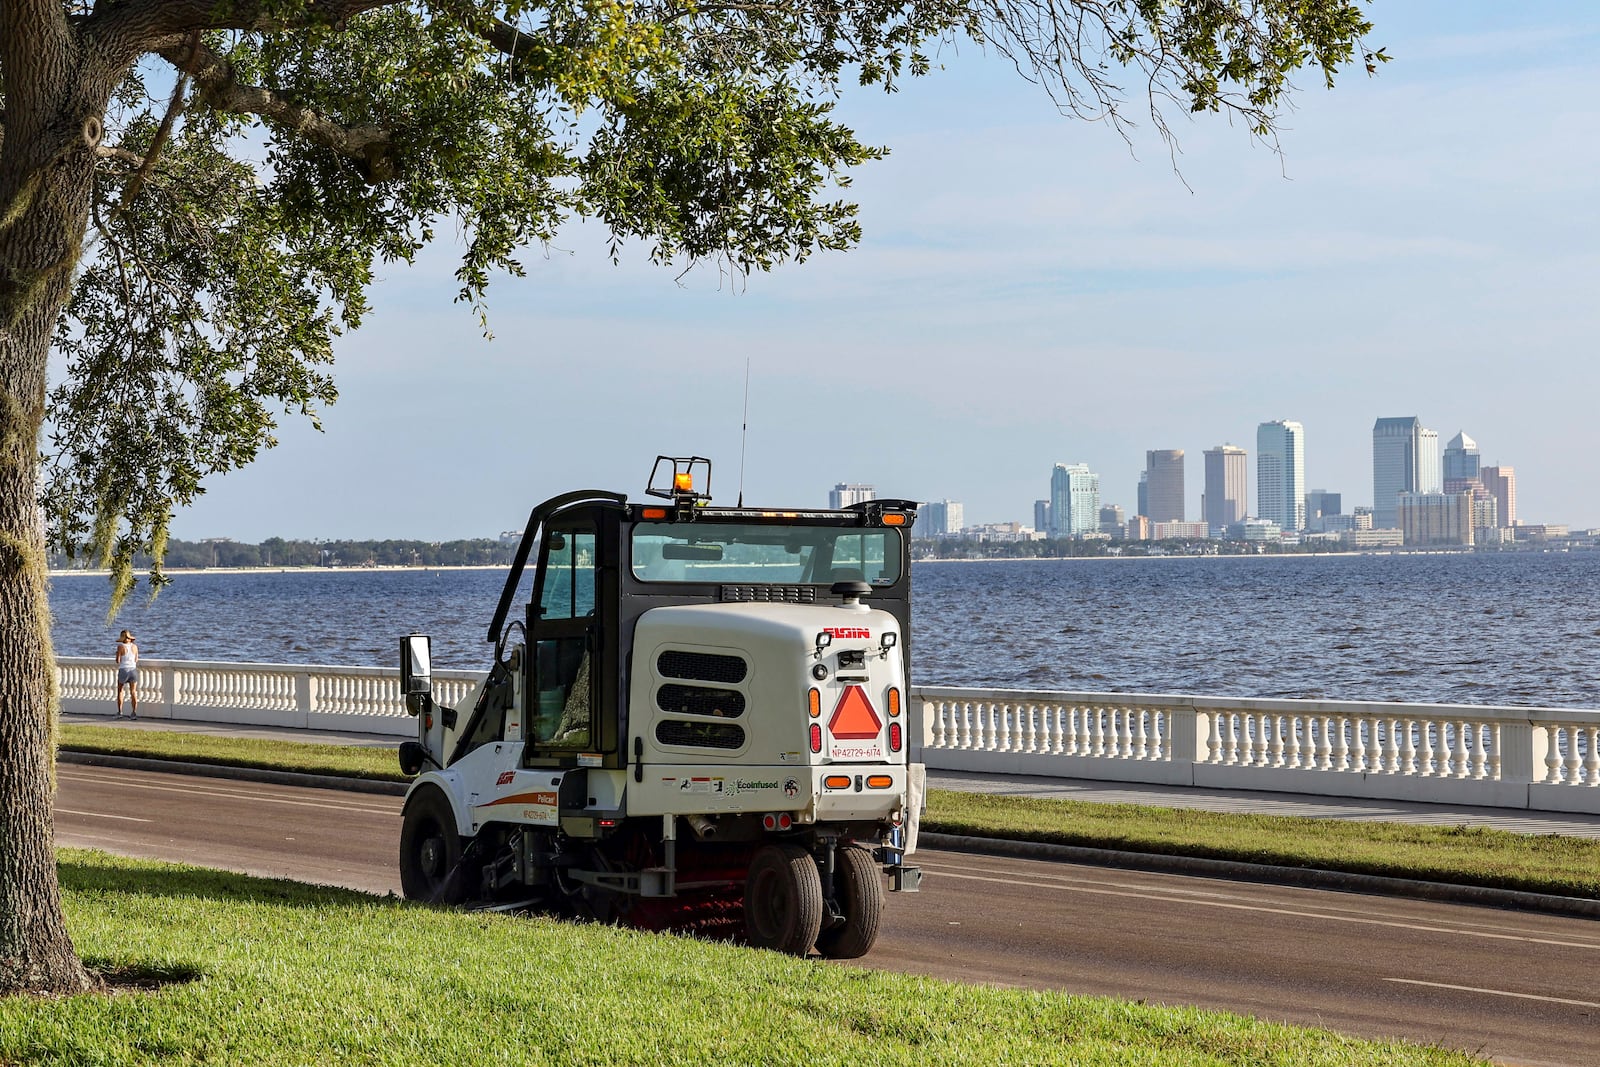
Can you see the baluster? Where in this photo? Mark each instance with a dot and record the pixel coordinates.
(1124, 748)
(1100, 728)
(1258, 751)
(1486, 760)
(933, 713)
(1214, 737)
(1425, 766)
(1323, 756)
(1591, 761)
(1339, 743)
(1232, 731)
(963, 712)
(1461, 756)
(1055, 713)
(1274, 738)
(1160, 728)
(1360, 731)
(1552, 755)
(1408, 746)
(1002, 728)
(1391, 745)
(1574, 767)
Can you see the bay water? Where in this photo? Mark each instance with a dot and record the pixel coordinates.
(1503, 628)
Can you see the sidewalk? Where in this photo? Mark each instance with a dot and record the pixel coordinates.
(1237, 801)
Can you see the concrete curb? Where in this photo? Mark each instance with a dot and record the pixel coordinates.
(1304, 877)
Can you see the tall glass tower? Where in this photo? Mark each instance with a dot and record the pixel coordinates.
(1281, 473)
(1405, 459)
(1074, 500)
(1461, 463)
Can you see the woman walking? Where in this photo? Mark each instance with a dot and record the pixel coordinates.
(128, 672)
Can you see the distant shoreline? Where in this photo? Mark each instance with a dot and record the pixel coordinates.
(180, 571)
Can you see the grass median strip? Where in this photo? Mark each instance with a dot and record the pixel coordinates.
(271, 972)
(301, 757)
(1565, 866)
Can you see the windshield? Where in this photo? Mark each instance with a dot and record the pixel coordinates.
(764, 554)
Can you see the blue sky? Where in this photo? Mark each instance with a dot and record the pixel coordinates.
(1031, 290)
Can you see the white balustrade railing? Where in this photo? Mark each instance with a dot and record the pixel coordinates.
(1541, 758)
(359, 699)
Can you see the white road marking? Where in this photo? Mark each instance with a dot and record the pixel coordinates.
(1494, 992)
(100, 815)
(1155, 894)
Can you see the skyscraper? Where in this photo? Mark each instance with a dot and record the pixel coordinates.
(1501, 482)
(1074, 500)
(1461, 463)
(1227, 497)
(1405, 459)
(1164, 484)
(1281, 473)
(1428, 468)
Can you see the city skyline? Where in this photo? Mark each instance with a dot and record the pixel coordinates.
(1028, 290)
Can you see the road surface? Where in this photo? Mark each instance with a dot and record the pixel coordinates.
(1522, 988)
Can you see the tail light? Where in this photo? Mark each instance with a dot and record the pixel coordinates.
(894, 737)
(816, 736)
(837, 781)
(879, 781)
(894, 702)
(814, 705)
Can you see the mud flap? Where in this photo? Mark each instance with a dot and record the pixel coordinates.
(916, 790)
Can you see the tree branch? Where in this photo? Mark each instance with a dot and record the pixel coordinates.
(217, 81)
(134, 27)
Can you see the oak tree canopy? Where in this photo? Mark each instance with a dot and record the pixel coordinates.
(194, 195)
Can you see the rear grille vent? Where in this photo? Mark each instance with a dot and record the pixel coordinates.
(768, 594)
(698, 700)
(702, 667)
(700, 734)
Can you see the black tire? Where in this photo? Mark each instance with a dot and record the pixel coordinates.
(430, 851)
(859, 885)
(783, 900)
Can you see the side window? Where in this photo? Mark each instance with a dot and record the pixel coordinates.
(563, 673)
(569, 576)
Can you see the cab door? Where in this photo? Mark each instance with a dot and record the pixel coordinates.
(571, 650)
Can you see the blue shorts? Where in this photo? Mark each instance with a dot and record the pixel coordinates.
(127, 676)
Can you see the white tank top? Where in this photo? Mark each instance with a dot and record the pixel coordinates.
(127, 655)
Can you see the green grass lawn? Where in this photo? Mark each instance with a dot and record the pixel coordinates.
(272, 972)
(1567, 866)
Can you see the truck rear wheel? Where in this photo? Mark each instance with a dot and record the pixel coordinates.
(430, 851)
(860, 900)
(783, 899)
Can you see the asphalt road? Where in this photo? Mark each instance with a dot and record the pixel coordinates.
(1520, 988)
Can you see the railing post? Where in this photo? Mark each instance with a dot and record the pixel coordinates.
(169, 690)
(305, 690)
(1523, 747)
(1188, 732)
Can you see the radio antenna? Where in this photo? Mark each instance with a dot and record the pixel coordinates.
(744, 428)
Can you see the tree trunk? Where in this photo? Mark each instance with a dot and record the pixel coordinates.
(54, 100)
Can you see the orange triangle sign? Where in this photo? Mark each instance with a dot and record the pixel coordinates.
(854, 719)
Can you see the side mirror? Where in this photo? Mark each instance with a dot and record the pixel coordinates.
(416, 669)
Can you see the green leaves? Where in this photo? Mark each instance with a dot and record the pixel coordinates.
(313, 145)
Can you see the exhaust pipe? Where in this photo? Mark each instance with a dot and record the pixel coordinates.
(702, 826)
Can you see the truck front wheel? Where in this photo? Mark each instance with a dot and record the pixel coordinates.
(430, 851)
(860, 897)
(783, 899)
